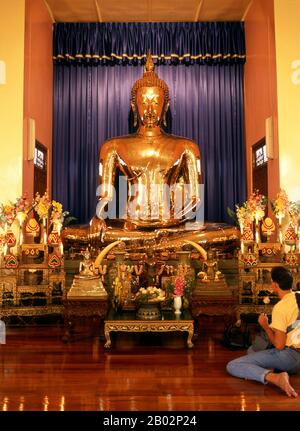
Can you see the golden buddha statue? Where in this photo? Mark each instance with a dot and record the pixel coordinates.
(163, 178)
(152, 161)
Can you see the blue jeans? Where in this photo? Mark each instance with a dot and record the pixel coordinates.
(255, 366)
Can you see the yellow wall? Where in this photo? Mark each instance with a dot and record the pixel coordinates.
(287, 33)
(12, 21)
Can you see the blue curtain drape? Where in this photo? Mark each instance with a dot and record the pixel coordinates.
(91, 104)
(169, 42)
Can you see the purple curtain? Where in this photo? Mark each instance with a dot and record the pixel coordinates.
(169, 42)
(91, 104)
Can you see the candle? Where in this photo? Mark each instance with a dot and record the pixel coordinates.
(242, 228)
(242, 247)
(44, 233)
(279, 227)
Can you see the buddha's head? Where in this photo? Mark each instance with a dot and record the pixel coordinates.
(86, 254)
(150, 97)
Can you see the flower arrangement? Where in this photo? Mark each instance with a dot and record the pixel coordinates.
(22, 208)
(179, 286)
(243, 215)
(57, 213)
(42, 205)
(252, 209)
(22, 204)
(294, 213)
(280, 205)
(256, 205)
(150, 294)
(7, 213)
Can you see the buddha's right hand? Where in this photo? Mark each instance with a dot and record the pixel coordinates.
(97, 229)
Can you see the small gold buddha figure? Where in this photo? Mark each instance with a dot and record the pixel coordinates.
(86, 267)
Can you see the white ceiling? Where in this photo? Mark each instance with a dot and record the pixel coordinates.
(147, 10)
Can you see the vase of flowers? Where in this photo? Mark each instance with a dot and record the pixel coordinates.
(178, 293)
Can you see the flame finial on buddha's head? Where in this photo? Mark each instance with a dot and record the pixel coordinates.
(149, 66)
(149, 79)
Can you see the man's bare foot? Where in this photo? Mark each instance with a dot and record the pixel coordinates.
(283, 382)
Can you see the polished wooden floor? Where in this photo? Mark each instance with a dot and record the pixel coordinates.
(141, 372)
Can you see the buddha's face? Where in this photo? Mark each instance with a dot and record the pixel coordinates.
(150, 103)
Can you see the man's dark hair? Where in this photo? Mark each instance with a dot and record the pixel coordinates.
(283, 277)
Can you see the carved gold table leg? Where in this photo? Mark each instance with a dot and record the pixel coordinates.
(190, 336)
(107, 345)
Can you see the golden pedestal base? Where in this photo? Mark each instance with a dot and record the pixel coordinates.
(218, 287)
(87, 287)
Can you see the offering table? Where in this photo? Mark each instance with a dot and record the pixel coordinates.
(127, 321)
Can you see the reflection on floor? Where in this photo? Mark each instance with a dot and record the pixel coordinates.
(141, 372)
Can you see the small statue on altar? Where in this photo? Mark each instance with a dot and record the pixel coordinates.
(87, 283)
(86, 266)
(210, 270)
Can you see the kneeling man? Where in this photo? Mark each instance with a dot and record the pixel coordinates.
(274, 365)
